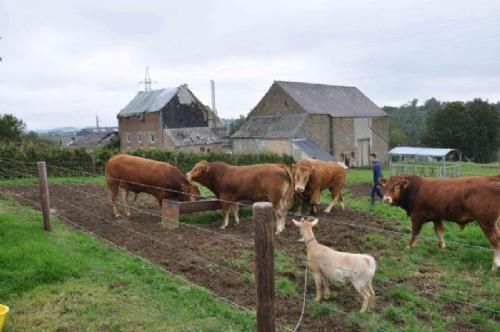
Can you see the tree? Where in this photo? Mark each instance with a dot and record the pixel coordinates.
(397, 136)
(237, 123)
(11, 128)
(471, 127)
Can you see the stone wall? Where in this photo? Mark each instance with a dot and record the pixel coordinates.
(256, 145)
(276, 102)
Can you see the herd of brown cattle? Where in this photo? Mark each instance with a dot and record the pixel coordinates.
(460, 200)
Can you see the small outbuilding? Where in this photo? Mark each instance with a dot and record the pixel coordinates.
(428, 162)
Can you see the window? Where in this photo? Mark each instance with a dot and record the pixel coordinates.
(202, 149)
(128, 138)
(139, 138)
(152, 138)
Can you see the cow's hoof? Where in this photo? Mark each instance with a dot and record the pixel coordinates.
(442, 246)
(118, 216)
(301, 240)
(222, 227)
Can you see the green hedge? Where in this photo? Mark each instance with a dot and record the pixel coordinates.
(21, 162)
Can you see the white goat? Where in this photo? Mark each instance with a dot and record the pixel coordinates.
(330, 265)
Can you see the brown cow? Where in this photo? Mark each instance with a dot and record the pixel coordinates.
(312, 176)
(138, 175)
(263, 182)
(460, 200)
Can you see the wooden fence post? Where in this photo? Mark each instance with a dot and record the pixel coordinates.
(44, 194)
(263, 216)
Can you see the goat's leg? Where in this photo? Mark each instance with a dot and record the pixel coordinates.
(372, 293)
(317, 281)
(326, 286)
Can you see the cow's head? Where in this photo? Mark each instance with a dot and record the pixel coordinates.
(191, 192)
(302, 173)
(393, 188)
(199, 171)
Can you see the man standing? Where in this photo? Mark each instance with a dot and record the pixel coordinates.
(377, 174)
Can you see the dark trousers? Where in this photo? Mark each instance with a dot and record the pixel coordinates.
(376, 190)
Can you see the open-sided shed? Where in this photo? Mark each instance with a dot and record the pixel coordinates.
(430, 162)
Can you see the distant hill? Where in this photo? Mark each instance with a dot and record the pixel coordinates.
(57, 130)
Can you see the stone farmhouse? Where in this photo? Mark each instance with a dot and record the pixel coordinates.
(171, 118)
(315, 121)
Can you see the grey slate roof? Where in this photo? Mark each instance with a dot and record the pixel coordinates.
(148, 101)
(312, 150)
(192, 136)
(283, 126)
(338, 101)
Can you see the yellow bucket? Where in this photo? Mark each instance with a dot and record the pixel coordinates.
(3, 313)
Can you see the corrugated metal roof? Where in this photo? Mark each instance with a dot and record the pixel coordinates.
(338, 101)
(312, 150)
(416, 151)
(192, 136)
(281, 126)
(148, 101)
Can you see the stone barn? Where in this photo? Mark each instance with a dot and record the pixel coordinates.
(293, 117)
(171, 118)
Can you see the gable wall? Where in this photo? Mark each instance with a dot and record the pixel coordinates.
(276, 102)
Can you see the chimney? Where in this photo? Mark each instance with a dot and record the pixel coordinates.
(212, 88)
(97, 122)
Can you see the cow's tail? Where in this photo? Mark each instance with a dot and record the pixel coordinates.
(290, 190)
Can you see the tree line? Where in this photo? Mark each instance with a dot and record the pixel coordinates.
(473, 127)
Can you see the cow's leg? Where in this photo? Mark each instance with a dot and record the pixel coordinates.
(235, 208)
(341, 200)
(492, 232)
(226, 208)
(280, 214)
(416, 226)
(114, 188)
(315, 200)
(125, 202)
(335, 192)
(439, 229)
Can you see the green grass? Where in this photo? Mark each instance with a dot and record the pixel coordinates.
(67, 280)
(460, 272)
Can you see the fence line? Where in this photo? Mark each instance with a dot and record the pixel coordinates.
(478, 306)
(292, 214)
(474, 305)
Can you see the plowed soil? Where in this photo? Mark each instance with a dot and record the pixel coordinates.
(220, 260)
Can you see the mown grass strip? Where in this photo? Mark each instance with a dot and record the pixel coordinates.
(67, 280)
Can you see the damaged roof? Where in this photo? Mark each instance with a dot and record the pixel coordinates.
(155, 100)
(337, 101)
(193, 136)
(282, 126)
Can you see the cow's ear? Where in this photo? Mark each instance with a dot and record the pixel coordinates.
(405, 183)
(314, 222)
(382, 181)
(296, 222)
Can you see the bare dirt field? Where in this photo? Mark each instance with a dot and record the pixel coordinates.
(220, 260)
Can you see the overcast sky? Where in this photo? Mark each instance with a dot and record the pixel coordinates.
(64, 62)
